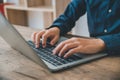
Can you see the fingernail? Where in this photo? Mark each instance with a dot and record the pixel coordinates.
(65, 56)
(36, 46)
(52, 43)
(44, 46)
(54, 52)
(59, 55)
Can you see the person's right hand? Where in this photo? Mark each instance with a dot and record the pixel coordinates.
(53, 34)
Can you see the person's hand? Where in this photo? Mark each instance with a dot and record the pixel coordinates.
(52, 34)
(79, 45)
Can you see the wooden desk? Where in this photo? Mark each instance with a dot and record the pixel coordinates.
(14, 66)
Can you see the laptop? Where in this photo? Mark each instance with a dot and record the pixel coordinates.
(42, 56)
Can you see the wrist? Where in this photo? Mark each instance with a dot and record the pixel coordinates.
(101, 44)
(56, 29)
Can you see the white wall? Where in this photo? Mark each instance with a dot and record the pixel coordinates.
(5, 0)
(16, 2)
(35, 20)
(81, 27)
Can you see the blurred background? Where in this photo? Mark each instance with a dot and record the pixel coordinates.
(39, 14)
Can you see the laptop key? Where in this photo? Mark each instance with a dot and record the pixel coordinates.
(46, 54)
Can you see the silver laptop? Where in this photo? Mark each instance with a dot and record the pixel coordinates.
(41, 56)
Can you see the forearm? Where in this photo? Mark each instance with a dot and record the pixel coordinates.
(66, 21)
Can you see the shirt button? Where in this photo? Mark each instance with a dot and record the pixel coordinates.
(105, 30)
(109, 10)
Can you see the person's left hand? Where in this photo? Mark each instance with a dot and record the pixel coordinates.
(79, 45)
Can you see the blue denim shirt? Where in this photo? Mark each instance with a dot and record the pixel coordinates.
(103, 20)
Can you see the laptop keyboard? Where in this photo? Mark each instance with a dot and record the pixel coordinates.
(46, 54)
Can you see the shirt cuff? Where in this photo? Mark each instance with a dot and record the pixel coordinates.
(109, 42)
(62, 30)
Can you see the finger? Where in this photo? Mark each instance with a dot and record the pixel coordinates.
(72, 51)
(67, 47)
(38, 36)
(59, 47)
(44, 39)
(54, 40)
(33, 36)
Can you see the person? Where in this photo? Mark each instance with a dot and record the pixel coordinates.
(103, 23)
